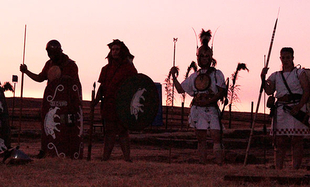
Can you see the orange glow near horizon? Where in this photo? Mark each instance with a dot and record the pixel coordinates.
(85, 28)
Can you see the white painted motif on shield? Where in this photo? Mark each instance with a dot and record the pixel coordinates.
(135, 105)
(2, 145)
(50, 126)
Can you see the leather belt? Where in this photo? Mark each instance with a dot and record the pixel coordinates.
(201, 97)
(290, 97)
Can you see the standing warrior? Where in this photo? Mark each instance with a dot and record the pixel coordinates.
(5, 130)
(206, 86)
(291, 88)
(62, 95)
(118, 69)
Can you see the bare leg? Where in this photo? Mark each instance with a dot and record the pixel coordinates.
(297, 151)
(217, 147)
(125, 144)
(109, 141)
(202, 145)
(280, 151)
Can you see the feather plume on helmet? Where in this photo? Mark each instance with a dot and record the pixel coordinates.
(205, 37)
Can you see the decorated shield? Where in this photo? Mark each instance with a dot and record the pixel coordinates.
(137, 102)
(62, 121)
(5, 132)
(202, 82)
(307, 70)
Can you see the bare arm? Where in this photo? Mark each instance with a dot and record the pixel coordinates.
(176, 83)
(23, 68)
(98, 96)
(219, 95)
(268, 86)
(205, 102)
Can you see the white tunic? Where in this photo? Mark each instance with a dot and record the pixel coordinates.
(283, 122)
(204, 118)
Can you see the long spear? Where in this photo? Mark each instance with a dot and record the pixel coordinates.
(92, 110)
(260, 93)
(21, 90)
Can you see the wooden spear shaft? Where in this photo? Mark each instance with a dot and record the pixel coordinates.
(21, 89)
(92, 110)
(260, 94)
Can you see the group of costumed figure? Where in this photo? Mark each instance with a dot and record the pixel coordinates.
(62, 114)
(289, 90)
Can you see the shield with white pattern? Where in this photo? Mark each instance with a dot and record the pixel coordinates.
(137, 102)
(5, 129)
(62, 119)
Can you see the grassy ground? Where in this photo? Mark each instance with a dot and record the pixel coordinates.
(156, 162)
(152, 166)
(65, 172)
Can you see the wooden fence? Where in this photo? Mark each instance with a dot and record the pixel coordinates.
(171, 117)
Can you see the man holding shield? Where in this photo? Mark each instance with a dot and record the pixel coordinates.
(62, 119)
(118, 69)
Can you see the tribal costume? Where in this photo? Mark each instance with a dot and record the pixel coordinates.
(111, 78)
(284, 123)
(62, 116)
(202, 117)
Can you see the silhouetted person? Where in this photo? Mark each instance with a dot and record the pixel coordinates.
(59, 66)
(5, 130)
(295, 95)
(118, 69)
(206, 86)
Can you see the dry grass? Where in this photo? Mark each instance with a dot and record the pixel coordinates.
(150, 167)
(66, 172)
(153, 165)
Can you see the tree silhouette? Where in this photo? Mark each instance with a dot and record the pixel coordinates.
(234, 89)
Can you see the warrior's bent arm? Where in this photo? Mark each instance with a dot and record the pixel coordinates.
(98, 96)
(23, 68)
(219, 95)
(178, 85)
(173, 72)
(268, 86)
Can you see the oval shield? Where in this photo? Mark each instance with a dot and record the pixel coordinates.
(5, 132)
(137, 102)
(62, 122)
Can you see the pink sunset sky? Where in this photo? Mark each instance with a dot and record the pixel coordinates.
(84, 28)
